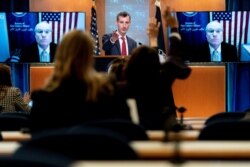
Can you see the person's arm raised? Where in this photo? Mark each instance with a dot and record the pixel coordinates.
(152, 31)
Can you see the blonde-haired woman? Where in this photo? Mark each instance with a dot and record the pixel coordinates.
(76, 92)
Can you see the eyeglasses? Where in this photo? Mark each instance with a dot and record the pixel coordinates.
(211, 31)
(43, 31)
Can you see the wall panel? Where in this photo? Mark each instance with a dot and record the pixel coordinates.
(203, 93)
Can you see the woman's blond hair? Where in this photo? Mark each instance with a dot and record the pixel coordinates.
(74, 59)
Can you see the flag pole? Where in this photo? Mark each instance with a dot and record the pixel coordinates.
(160, 39)
(94, 30)
(93, 4)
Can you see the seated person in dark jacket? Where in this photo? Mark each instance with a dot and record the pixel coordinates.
(215, 49)
(76, 92)
(11, 99)
(149, 82)
(42, 50)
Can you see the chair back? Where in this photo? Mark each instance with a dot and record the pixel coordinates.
(34, 162)
(14, 121)
(226, 130)
(225, 116)
(86, 143)
(126, 128)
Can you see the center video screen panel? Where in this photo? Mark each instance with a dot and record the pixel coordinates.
(236, 32)
(18, 35)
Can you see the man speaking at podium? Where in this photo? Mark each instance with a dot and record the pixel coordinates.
(117, 42)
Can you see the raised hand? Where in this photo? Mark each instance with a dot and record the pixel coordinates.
(153, 28)
(114, 36)
(170, 18)
(26, 97)
(152, 31)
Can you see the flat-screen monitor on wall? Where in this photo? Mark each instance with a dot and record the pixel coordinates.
(236, 31)
(18, 31)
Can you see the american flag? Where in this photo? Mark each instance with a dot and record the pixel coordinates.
(61, 22)
(94, 30)
(236, 26)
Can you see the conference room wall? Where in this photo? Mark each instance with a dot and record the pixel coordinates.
(203, 93)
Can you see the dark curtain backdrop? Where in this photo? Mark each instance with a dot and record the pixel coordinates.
(14, 5)
(238, 87)
(233, 5)
(19, 72)
(238, 76)
(20, 76)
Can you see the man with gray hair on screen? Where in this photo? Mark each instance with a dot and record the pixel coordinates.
(43, 49)
(215, 49)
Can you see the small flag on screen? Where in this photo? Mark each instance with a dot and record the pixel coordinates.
(235, 25)
(61, 23)
(222, 15)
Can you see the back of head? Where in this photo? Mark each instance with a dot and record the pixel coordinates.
(116, 68)
(5, 75)
(74, 55)
(74, 61)
(143, 64)
(74, 58)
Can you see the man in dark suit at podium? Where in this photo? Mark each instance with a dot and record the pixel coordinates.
(43, 50)
(117, 42)
(215, 49)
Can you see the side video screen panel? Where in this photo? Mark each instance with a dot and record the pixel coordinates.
(236, 31)
(18, 30)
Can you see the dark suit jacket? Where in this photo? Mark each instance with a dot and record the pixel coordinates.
(31, 54)
(228, 53)
(114, 49)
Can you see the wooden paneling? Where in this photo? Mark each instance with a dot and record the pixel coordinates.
(39, 76)
(196, 5)
(203, 93)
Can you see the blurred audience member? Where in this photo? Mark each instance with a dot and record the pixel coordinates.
(11, 99)
(76, 92)
(150, 82)
(116, 68)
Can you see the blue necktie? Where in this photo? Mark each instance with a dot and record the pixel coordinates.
(44, 56)
(215, 56)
